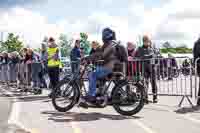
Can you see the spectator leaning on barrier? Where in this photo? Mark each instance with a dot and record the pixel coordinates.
(196, 54)
(75, 56)
(21, 68)
(96, 51)
(14, 60)
(172, 65)
(5, 61)
(43, 58)
(23, 53)
(169, 66)
(131, 67)
(30, 58)
(95, 47)
(131, 48)
(53, 63)
(147, 53)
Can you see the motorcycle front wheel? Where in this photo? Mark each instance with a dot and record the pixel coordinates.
(65, 95)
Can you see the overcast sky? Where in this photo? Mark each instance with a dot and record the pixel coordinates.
(176, 21)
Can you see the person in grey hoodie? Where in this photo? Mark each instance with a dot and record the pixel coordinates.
(43, 60)
(146, 53)
(196, 54)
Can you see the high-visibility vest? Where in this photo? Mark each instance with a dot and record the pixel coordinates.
(52, 62)
(60, 65)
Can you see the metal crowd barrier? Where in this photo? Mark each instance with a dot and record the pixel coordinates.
(4, 73)
(172, 76)
(21, 75)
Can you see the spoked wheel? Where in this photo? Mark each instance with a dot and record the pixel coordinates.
(128, 99)
(65, 95)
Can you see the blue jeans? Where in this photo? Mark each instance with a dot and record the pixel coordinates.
(75, 66)
(100, 72)
(36, 69)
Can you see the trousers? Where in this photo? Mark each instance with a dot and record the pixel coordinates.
(100, 72)
(53, 75)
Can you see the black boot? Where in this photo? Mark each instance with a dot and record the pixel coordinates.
(155, 99)
(146, 100)
(50, 95)
(198, 102)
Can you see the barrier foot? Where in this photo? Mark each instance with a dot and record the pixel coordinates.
(188, 99)
(181, 101)
(7, 85)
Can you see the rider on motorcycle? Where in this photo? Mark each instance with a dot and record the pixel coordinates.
(108, 55)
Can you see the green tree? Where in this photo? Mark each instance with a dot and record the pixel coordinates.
(85, 44)
(12, 43)
(65, 45)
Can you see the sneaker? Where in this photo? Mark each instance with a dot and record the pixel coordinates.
(146, 101)
(83, 105)
(155, 100)
(90, 99)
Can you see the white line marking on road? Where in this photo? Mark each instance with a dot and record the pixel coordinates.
(189, 117)
(15, 111)
(75, 127)
(185, 116)
(143, 126)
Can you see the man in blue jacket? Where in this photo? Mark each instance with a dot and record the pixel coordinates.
(75, 56)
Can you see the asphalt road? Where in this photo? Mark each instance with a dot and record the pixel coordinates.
(37, 115)
(5, 106)
(5, 110)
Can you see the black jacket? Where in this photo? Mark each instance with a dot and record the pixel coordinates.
(75, 54)
(145, 53)
(196, 54)
(96, 54)
(5, 60)
(14, 60)
(196, 49)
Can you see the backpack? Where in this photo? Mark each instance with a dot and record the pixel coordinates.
(121, 52)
